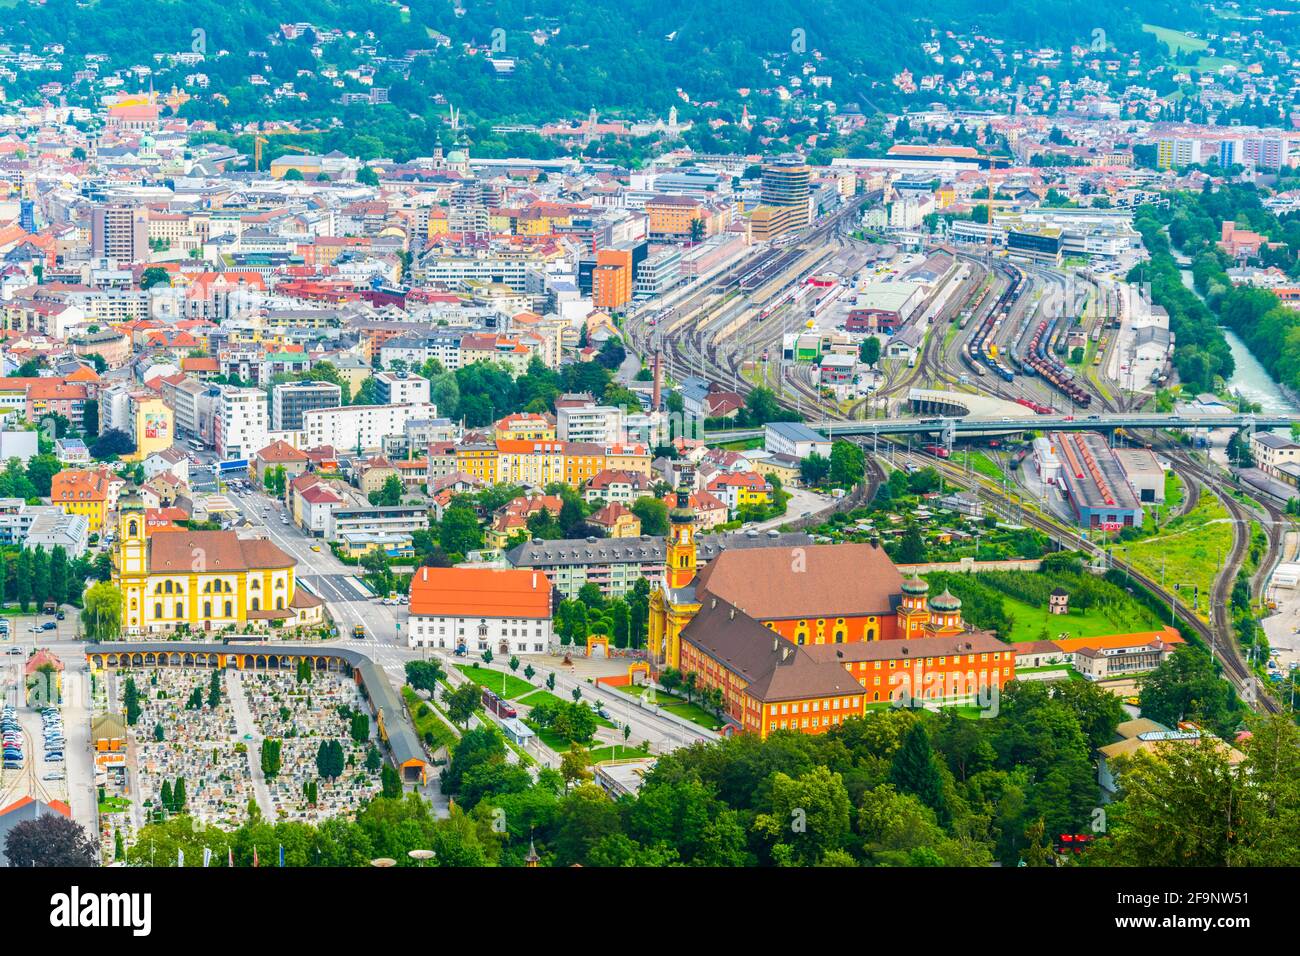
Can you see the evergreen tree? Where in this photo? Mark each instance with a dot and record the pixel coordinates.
(914, 771)
(24, 572)
(40, 576)
(132, 701)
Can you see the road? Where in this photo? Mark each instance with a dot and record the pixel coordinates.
(386, 627)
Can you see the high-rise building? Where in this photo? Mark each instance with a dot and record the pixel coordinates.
(401, 388)
(1267, 152)
(1177, 153)
(289, 400)
(119, 232)
(242, 422)
(786, 186)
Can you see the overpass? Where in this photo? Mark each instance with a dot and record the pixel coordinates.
(951, 427)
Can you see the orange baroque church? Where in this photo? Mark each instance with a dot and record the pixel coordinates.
(763, 624)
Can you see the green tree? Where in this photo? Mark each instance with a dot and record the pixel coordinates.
(271, 757)
(806, 816)
(101, 613)
(461, 703)
(653, 514)
(915, 770)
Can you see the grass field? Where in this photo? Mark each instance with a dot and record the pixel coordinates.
(1188, 551)
(618, 752)
(1185, 48)
(429, 723)
(1029, 623)
(535, 698)
(678, 706)
(492, 680)
(979, 462)
(1177, 41)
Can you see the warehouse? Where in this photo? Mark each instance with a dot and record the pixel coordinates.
(1144, 472)
(884, 306)
(1095, 483)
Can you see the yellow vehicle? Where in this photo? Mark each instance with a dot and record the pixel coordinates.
(315, 547)
(358, 631)
(1132, 701)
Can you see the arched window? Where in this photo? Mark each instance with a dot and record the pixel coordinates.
(279, 604)
(157, 610)
(207, 609)
(180, 609)
(256, 604)
(228, 609)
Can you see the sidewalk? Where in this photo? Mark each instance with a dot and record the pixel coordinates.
(248, 727)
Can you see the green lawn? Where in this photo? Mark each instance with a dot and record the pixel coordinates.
(1028, 622)
(429, 723)
(495, 681)
(112, 804)
(979, 462)
(1177, 41)
(618, 752)
(677, 706)
(1190, 549)
(536, 697)
(1175, 493)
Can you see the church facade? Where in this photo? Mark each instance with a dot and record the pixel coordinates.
(204, 580)
(800, 638)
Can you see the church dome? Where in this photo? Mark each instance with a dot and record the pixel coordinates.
(915, 585)
(947, 601)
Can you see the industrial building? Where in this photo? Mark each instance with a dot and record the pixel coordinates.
(1095, 482)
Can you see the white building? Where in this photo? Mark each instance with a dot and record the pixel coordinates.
(503, 610)
(51, 527)
(794, 438)
(599, 424)
(401, 388)
(360, 426)
(242, 422)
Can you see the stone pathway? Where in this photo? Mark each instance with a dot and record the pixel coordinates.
(247, 726)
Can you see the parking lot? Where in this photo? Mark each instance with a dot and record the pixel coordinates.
(34, 744)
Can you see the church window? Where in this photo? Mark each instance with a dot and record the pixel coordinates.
(229, 608)
(180, 609)
(157, 610)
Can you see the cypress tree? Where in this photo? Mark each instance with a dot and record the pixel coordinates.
(914, 771)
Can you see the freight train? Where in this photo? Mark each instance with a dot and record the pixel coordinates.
(981, 348)
(1039, 357)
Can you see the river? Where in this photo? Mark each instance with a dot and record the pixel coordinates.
(1249, 377)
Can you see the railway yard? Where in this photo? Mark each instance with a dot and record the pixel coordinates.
(992, 333)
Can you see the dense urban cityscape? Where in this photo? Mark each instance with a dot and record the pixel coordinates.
(547, 435)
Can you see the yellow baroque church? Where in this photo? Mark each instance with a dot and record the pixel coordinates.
(205, 580)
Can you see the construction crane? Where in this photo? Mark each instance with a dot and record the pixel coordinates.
(260, 139)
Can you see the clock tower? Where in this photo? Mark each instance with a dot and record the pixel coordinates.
(673, 603)
(680, 559)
